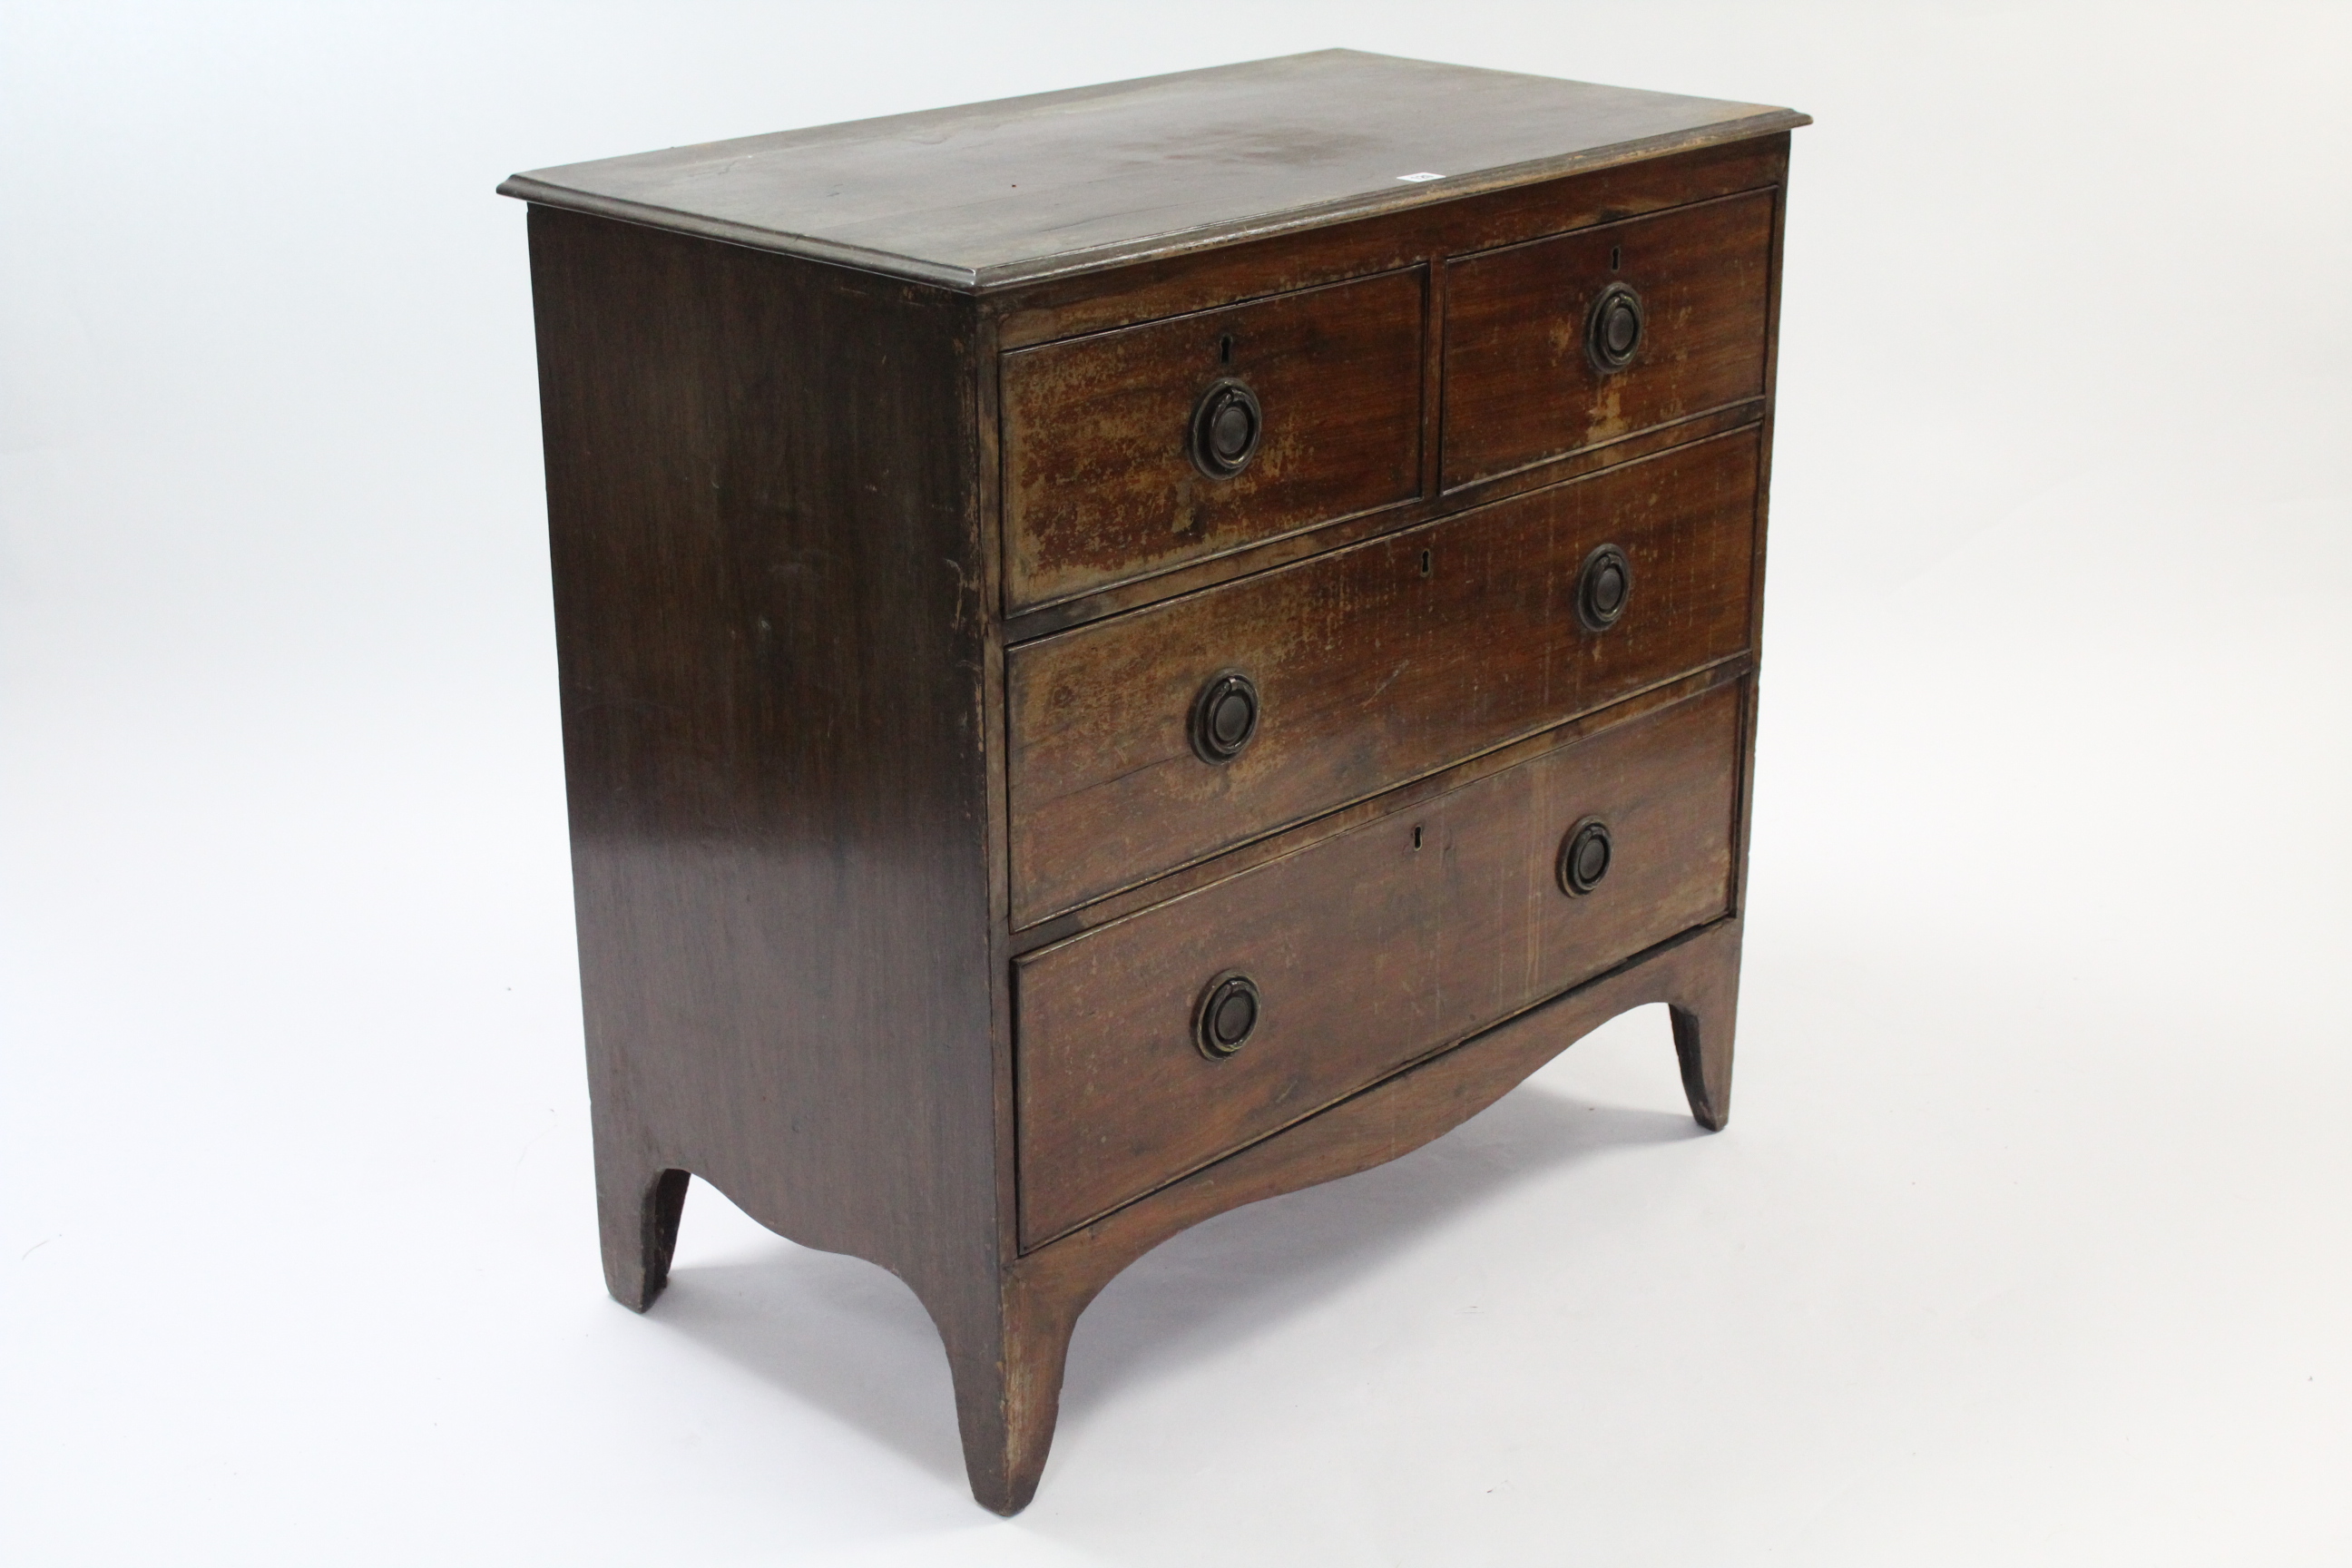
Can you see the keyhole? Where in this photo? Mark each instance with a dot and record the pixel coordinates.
(1616, 260)
(1225, 345)
(1425, 563)
(1416, 836)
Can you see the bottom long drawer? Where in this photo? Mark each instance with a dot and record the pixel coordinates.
(1149, 1047)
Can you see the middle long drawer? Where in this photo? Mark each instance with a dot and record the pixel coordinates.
(1352, 672)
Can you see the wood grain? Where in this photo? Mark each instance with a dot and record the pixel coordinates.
(1281, 551)
(1371, 669)
(771, 670)
(1046, 310)
(1518, 385)
(991, 194)
(1370, 949)
(1289, 840)
(1099, 485)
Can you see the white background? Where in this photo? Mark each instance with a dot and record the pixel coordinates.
(2027, 1242)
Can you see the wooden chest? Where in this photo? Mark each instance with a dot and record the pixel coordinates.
(1129, 650)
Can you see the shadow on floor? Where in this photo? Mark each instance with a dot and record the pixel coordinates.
(845, 1335)
(1242, 1272)
(850, 1337)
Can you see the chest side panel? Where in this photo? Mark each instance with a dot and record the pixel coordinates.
(765, 535)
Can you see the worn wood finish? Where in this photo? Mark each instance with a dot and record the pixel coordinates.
(991, 195)
(1314, 830)
(1245, 560)
(1370, 949)
(1519, 387)
(1092, 302)
(844, 792)
(1192, 280)
(1373, 664)
(1100, 483)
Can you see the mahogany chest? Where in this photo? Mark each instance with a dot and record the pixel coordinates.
(1129, 650)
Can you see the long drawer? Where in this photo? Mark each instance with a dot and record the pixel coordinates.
(1366, 951)
(1353, 671)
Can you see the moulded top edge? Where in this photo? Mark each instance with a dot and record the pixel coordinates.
(1018, 191)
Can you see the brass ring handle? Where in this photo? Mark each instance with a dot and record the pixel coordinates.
(1584, 856)
(1227, 424)
(1224, 717)
(1602, 585)
(1227, 1015)
(1613, 332)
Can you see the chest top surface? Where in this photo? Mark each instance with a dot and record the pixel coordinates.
(994, 195)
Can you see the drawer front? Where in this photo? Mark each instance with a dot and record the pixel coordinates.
(1366, 951)
(1371, 666)
(1101, 479)
(1524, 383)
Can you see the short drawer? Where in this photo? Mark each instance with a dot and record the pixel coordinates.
(1365, 667)
(1116, 465)
(1360, 953)
(1535, 333)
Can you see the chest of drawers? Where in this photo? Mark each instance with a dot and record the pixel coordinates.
(1130, 650)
